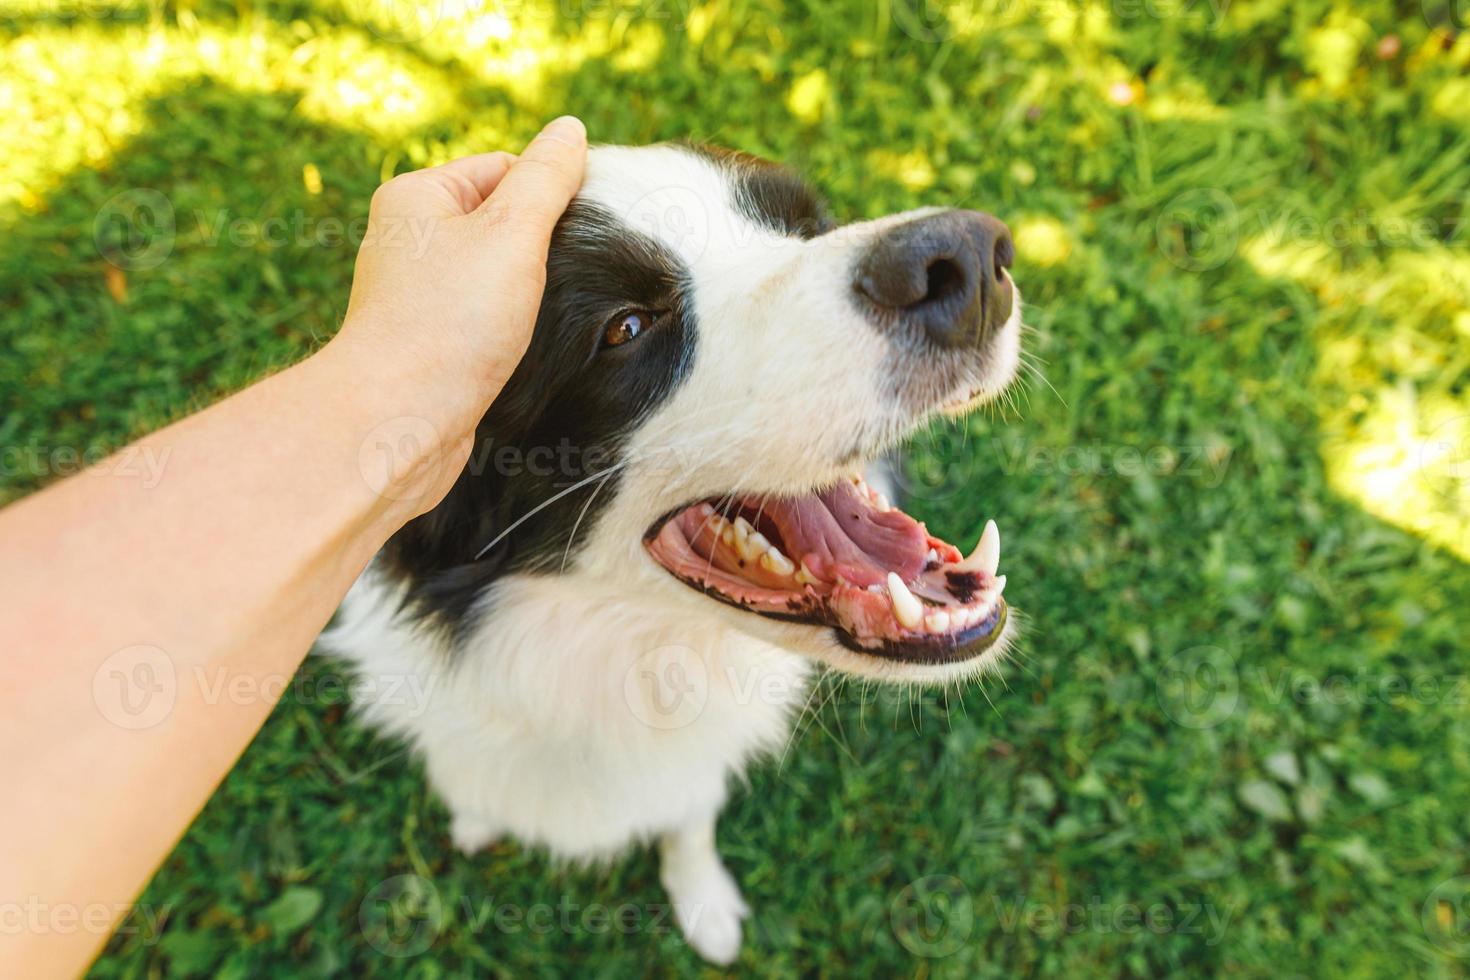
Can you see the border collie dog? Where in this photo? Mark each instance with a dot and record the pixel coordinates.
(664, 528)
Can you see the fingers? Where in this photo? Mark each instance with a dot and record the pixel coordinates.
(448, 190)
(483, 171)
(540, 184)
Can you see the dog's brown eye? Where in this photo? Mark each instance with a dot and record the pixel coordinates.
(625, 326)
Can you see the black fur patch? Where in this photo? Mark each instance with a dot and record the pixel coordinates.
(563, 418)
(771, 195)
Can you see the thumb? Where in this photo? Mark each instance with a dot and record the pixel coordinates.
(539, 185)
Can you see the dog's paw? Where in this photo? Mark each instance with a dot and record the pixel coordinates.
(471, 833)
(709, 910)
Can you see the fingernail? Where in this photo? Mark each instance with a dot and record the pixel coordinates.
(565, 129)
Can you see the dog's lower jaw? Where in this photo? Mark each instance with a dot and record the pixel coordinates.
(574, 722)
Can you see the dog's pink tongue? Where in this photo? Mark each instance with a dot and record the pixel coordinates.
(840, 532)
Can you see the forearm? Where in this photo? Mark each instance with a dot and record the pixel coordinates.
(219, 562)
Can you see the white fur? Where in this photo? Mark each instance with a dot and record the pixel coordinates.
(610, 704)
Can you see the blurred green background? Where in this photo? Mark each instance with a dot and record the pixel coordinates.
(1237, 505)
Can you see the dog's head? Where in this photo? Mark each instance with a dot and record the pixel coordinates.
(714, 363)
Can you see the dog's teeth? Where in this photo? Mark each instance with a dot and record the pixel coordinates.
(774, 561)
(907, 609)
(995, 590)
(937, 622)
(882, 501)
(986, 556)
(754, 546)
(932, 557)
(749, 542)
(722, 530)
(805, 577)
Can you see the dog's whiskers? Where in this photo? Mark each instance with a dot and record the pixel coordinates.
(544, 504)
(581, 514)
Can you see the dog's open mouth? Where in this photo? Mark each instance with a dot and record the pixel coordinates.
(843, 558)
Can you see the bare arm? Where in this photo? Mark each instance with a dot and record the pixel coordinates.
(154, 608)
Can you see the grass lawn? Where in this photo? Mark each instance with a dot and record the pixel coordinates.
(1236, 511)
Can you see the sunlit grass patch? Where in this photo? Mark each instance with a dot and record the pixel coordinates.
(79, 89)
(1241, 242)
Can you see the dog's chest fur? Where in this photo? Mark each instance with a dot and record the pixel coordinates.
(573, 718)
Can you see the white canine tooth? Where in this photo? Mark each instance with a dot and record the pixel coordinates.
(805, 577)
(907, 609)
(1000, 586)
(932, 556)
(774, 561)
(937, 622)
(986, 556)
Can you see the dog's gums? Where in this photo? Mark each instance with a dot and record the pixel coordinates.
(844, 558)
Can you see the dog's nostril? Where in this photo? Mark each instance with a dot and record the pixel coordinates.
(1005, 254)
(942, 279)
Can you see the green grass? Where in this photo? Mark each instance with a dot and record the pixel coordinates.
(1235, 514)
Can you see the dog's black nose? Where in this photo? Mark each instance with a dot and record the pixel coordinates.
(943, 274)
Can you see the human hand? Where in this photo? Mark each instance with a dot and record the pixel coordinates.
(451, 269)
(446, 290)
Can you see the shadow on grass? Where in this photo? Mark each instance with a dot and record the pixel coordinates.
(1088, 782)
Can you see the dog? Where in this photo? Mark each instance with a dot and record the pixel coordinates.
(665, 529)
